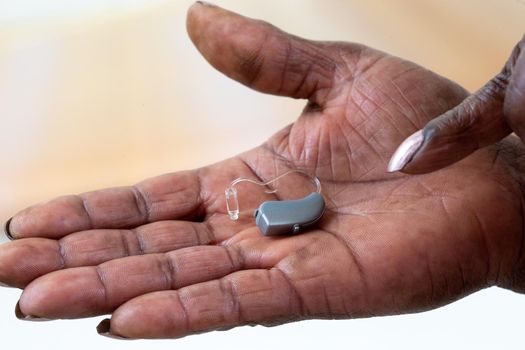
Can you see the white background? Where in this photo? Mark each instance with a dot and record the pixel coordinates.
(104, 93)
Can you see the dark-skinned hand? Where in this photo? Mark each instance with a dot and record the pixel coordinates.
(164, 259)
(482, 119)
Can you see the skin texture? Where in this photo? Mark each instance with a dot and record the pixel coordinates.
(485, 117)
(166, 261)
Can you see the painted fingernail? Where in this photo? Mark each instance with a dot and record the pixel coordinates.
(7, 230)
(205, 3)
(405, 152)
(104, 329)
(21, 316)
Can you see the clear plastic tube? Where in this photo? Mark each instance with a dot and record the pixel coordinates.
(232, 201)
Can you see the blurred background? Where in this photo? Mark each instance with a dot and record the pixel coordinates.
(97, 93)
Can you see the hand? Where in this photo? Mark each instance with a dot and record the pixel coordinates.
(482, 119)
(164, 258)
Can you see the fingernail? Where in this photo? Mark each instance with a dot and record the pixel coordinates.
(405, 152)
(7, 230)
(205, 3)
(21, 316)
(104, 329)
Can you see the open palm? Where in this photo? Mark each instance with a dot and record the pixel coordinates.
(166, 260)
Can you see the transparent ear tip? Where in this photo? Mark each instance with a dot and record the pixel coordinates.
(232, 203)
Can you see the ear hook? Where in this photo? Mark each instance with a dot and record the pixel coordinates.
(232, 201)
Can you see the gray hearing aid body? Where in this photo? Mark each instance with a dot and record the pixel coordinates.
(289, 216)
(280, 217)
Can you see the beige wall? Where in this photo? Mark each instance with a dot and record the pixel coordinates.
(108, 96)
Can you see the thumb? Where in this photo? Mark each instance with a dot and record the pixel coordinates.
(480, 120)
(259, 55)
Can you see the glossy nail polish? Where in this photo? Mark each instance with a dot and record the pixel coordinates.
(405, 152)
(21, 316)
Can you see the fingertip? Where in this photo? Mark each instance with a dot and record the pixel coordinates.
(156, 315)
(405, 152)
(18, 311)
(25, 317)
(429, 155)
(205, 3)
(24, 260)
(201, 5)
(197, 9)
(104, 329)
(476, 122)
(425, 151)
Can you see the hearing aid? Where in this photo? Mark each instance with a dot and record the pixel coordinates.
(280, 217)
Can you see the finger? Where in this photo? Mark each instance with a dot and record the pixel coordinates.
(244, 297)
(167, 197)
(514, 107)
(259, 55)
(22, 261)
(475, 123)
(89, 291)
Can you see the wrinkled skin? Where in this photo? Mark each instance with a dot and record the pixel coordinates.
(484, 118)
(164, 258)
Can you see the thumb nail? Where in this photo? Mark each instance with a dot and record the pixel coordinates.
(405, 152)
